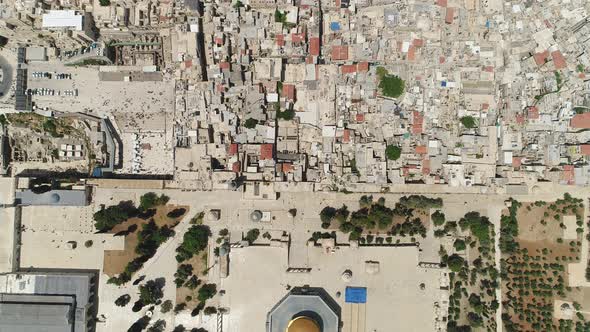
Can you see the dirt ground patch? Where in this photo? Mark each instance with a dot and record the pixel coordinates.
(531, 219)
(115, 261)
(199, 263)
(537, 271)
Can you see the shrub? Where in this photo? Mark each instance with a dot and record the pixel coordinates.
(176, 213)
(252, 235)
(166, 306)
(210, 311)
(459, 245)
(123, 300)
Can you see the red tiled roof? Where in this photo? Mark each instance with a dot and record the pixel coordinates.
(266, 152)
(489, 69)
(450, 16)
(346, 136)
(418, 42)
(516, 162)
(412, 53)
(360, 117)
(220, 88)
(442, 3)
(532, 113)
(581, 121)
(520, 118)
(441, 60)
(297, 37)
(188, 63)
(362, 66)
(417, 125)
(219, 41)
(289, 91)
(340, 52)
(426, 166)
(558, 60)
(585, 149)
(541, 58)
(548, 24)
(348, 69)
(280, 40)
(314, 46)
(568, 174)
(421, 149)
(224, 65)
(236, 167)
(485, 106)
(232, 149)
(287, 167)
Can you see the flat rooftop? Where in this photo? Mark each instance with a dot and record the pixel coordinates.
(62, 19)
(394, 298)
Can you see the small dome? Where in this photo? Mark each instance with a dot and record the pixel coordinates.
(303, 324)
(213, 215)
(256, 215)
(55, 198)
(346, 275)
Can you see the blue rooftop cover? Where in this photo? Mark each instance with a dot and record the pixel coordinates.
(334, 26)
(443, 83)
(355, 295)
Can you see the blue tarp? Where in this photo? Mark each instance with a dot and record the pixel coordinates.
(335, 26)
(355, 295)
(443, 83)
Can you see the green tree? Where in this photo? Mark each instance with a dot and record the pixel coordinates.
(192, 283)
(194, 241)
(455, 262)
(468, 122)
(327, 214)
(104, 3)
(158, 326)
(123, 300)
(206, 292)
(438, 218)
(107, 218)
(252, 235)
(250, 123)
(151, 292)
(210, 310)
(151, 200)
(166, 306)
(459, 245)
(391, 85)
(393, 152)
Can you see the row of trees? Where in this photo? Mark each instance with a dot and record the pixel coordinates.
(374, 214)
(109, 217)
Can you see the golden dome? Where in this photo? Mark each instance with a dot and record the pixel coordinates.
(303, 324)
